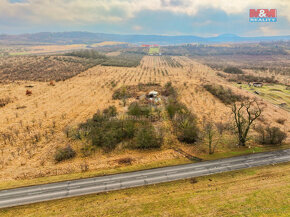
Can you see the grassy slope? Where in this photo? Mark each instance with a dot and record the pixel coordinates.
(274, 93)
(260, 191)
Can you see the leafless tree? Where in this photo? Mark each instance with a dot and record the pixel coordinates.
(213, 132)
(245, 114)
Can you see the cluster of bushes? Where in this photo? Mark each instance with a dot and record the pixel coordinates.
(106, 131)
(122, 60)
(136, 109)
(147, 111)
(185, 125)
(225, 95)
(122, 93)
(184, 122)
(111, 111)
(233, 70)
(252, 78)
(88, 54)
(271, 135)
(147, 137)
(62, 154)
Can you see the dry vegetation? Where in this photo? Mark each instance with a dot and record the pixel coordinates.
(265, 66)
(41, 68)
(34, 127)
(30, 49)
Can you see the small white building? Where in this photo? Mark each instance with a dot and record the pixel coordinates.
(153, 94)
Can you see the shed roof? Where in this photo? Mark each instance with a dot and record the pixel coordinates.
(153, 92)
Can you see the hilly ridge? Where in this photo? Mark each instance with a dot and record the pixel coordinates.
(88, 37)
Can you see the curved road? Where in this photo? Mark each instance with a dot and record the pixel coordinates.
(38, 193)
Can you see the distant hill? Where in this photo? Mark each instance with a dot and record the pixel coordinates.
(88, 38)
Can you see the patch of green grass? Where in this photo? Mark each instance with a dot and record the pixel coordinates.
(154, 50)
(274, 93)
(18, 53)
(242, 151)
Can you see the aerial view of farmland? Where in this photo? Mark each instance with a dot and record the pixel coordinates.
(144, 120)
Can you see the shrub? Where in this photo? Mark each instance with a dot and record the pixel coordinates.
(147, 138)
(128, 129)
(225, 95)
(233, 70)
(138, 110)
(173, 107)
(110, 112)
(106, 137)
(186, 127)
(122, 93)
(271, 135)
(87, 150)
(64, 154)
(125, 160)
(108, 133)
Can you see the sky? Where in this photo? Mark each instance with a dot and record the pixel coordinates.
(163, 17)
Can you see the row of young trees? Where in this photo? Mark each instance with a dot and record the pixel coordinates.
(122, 60)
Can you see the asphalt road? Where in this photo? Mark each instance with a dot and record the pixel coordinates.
(38, 193)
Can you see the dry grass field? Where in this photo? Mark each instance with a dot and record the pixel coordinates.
(54, 48)
(19, 50)
(262, 191)
(32, 126)
(107, 43)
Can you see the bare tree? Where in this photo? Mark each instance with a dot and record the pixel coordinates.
(244, 115)
(213, 134)
(209, 131)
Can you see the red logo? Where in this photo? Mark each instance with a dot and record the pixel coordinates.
(263, 15)
(260, 13)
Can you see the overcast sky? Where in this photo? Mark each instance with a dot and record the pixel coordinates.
(165, 17)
